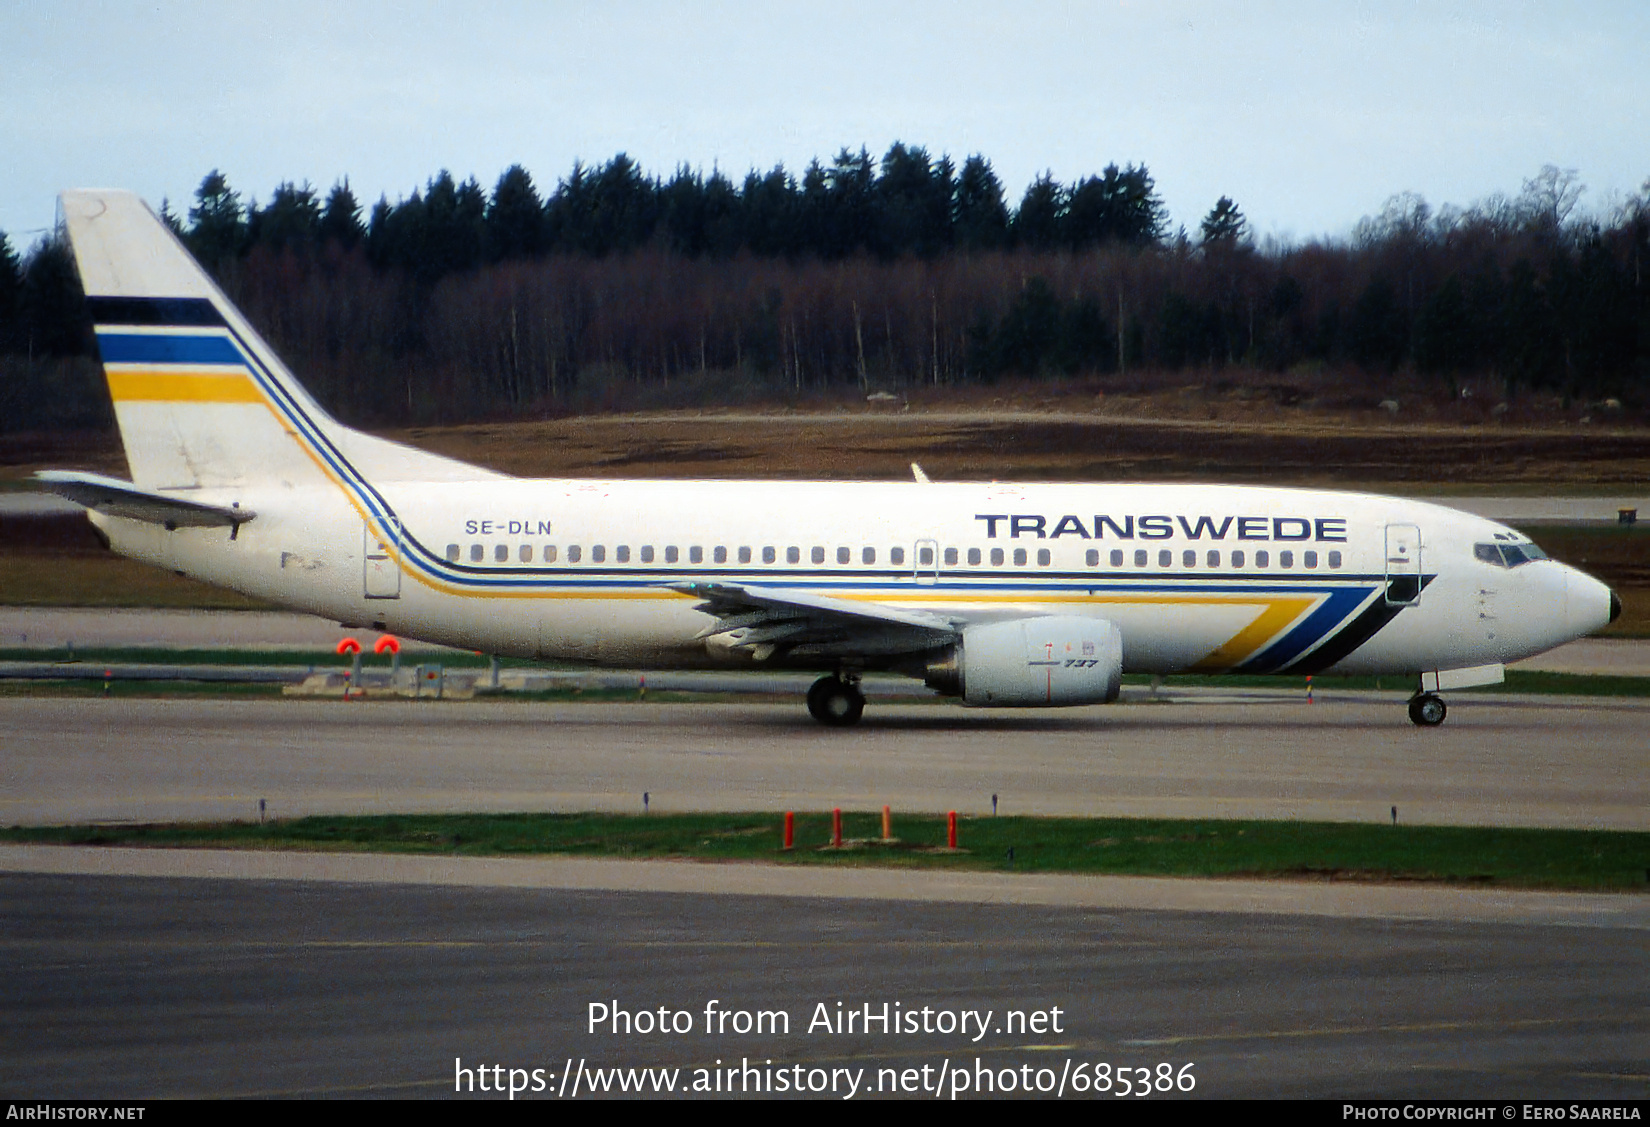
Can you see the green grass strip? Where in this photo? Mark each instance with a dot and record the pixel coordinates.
(140, 690)
(1453, 855)
(322, 660)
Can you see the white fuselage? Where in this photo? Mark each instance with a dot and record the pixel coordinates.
(1196, 577)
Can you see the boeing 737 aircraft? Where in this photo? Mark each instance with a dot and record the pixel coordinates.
(1002, 595)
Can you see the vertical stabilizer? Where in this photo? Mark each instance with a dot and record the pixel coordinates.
(201, 400)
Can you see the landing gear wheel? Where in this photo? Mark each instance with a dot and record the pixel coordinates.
(1427, 710)
(835, 702)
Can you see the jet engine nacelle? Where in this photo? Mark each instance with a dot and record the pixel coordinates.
(1029, 662)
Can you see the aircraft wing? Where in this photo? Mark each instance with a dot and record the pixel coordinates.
(766, 620)
(123, 499)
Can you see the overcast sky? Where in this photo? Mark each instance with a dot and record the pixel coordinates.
(1309, 115)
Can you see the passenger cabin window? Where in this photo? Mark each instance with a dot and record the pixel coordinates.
(869, 556)
(925, 557)
(1214, 558)
(647, 553)
(973, 557)
(1309, 559)
(817, 555)
(720, 555)
(1044, 557)
(526, 553)
(549, 553)
(1092, 557)
(671, 555)
(793, 555)
(598, 553)
(1140, 557)
(477, 553)
(1188, 558)
(1334, 559)
(573, 553)
(1261, 558)
(769, 555)
(951, 557)
(501, 553)
(1019, 557)
(1286, 559)
(1237, 558)
(622, 553)
(696, 554)
(452, 553)
(896, 556)
(996, 557)
(744, 555)
(1117, 557)
(1165, 558)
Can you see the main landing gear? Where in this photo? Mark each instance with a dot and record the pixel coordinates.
(1427, 709)
(836, 702)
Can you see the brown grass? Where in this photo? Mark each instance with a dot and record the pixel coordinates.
(988, 446)
(1282, 432)
(108, 580)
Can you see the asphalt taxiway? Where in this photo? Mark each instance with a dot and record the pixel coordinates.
(1528, 761)
(148, 987)
(135, 974)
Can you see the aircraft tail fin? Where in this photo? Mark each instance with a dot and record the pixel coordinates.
(201, 400)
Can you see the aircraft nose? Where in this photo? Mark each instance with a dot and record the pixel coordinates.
(1589, 604)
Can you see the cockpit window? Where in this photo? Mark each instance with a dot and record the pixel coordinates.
(1507, 555)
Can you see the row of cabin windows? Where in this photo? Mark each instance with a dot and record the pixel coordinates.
(695, 554)
(1239, 558)
(896, 556)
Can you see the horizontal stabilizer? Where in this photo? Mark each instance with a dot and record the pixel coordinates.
(123, 499)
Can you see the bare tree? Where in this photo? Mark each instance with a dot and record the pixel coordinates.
(1549, 197)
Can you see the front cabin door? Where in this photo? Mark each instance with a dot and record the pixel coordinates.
(1403, 565)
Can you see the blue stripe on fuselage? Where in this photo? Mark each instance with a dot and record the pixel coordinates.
(1336, 609)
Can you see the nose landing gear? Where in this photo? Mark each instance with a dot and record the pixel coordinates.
(835, 702)
(1427, 709)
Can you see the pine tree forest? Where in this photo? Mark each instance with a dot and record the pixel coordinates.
(623, 290)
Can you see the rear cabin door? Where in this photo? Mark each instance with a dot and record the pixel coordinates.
(380, 549)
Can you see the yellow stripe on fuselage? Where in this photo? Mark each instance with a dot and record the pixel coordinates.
(1277, 612)
(181, 385)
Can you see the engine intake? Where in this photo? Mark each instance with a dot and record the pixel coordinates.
(1033, 662)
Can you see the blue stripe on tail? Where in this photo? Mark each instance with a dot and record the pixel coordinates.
(131, 348)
